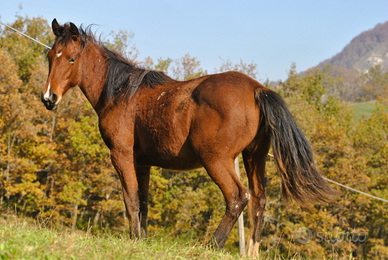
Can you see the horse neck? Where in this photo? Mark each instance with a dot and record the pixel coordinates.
(93, 76)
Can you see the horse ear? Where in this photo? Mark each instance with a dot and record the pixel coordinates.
(74, 33)
(57, 29)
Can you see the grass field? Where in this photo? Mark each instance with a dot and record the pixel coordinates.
(31, 239)
(22, 240)
(363, 109)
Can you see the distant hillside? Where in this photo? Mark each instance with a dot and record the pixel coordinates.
(368, 49)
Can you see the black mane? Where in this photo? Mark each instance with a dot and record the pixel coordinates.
(124, 77)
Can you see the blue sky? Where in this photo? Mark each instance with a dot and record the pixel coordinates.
(271, 34)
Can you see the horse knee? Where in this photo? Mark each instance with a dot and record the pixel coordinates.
(238, 205)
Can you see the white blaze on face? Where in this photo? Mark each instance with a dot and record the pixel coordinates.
(47, 94)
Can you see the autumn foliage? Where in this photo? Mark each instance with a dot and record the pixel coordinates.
(54, 165)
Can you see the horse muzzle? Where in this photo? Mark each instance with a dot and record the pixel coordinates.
(50, 102)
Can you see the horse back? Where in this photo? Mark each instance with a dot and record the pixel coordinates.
(170, 122)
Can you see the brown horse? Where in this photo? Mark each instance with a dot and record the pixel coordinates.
(148, 119)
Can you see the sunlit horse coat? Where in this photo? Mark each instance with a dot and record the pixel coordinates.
(148, 119)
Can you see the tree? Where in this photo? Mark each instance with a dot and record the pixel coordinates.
(121, 43)
(163, 65)
(375, 83)
(249, 69)
(187, 68)
(24, 53)
(53, 164)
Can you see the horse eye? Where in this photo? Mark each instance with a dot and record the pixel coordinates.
(71, 60)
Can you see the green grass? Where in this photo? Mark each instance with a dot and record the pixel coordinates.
(22, 240)
(363, 109)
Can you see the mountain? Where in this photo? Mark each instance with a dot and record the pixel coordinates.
(368, 49)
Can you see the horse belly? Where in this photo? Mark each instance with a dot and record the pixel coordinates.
(180, 164)
(166, 157)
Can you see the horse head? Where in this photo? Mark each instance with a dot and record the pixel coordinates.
(64, 63)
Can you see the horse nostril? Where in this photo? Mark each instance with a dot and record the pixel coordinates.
(54, 98)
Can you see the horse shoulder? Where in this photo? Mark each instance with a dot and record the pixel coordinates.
(116, 127)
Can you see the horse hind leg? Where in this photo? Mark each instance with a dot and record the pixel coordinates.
(235, 194)
(254, 160)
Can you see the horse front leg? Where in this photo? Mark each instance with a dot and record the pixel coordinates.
(123, 162)
(143, 179)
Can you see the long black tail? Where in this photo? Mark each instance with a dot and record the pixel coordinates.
(292, 151)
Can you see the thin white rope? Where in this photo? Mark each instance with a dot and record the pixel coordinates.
(356, 190)
(26, 35)
(349, 188)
